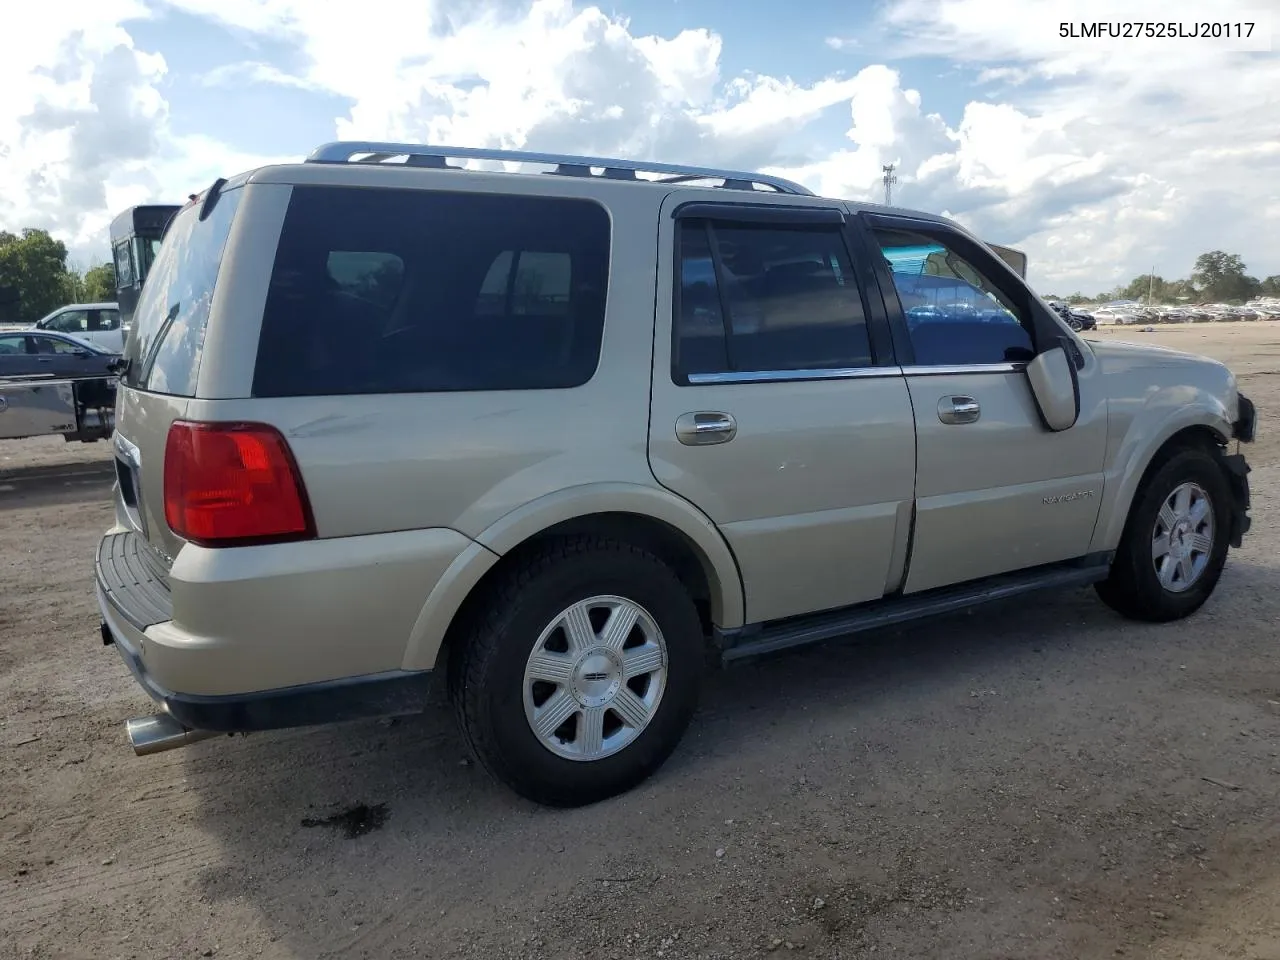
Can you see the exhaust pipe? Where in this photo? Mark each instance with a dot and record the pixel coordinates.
(161, 732)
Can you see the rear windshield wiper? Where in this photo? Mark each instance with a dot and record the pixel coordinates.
(154, 349)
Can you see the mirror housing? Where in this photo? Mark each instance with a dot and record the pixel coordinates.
(1055, 385)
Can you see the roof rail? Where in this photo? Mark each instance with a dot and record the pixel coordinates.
(421, 155)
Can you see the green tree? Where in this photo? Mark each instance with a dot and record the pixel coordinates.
(1140, 287)
(100, 284)
(1270, 287)
(73, 286)
(36, 265)
(1221, 276)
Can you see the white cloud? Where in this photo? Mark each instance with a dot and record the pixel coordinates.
(249, 71)
(1111, 155)
(1099, 157)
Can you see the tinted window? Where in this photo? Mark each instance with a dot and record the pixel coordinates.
(526, 282)
(790, 295)
(169, 324)
(955, 313)
(408, 291)
(364, 275)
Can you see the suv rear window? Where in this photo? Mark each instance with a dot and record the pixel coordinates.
(173, 311)
(412, 291)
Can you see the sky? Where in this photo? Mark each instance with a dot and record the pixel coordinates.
(1102, 159)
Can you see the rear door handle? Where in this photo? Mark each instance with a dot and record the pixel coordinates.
(700, 429)
(958, 410)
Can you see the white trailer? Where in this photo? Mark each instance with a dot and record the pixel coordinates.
(79, 409)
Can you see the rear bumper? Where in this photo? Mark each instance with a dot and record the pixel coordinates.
(309, 704)
(273, 636)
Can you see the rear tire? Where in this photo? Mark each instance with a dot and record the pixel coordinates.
(1175, 541)
(581, 671)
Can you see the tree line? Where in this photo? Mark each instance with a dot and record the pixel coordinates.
(1217, 277)
(35, 278)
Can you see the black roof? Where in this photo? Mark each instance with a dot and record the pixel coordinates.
(146, 218)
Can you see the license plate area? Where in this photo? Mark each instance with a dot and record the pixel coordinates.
(129, 481)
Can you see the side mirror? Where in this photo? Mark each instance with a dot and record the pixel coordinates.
(1055, 386)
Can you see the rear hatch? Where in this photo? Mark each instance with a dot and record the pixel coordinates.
(162, 357)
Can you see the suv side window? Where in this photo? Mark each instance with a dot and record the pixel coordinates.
(69, 321)
(955, 314)
(415, 291)
(756, 298)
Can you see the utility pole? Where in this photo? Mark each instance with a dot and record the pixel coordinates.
(889, 181)
(1151, 285)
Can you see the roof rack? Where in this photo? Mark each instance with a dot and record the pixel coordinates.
(566, 165)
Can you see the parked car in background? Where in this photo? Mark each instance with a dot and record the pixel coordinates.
(1077, 319)
(97, 323)
(31, 353)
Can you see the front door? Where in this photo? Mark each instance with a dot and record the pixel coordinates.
(996, 490)
(771, 410)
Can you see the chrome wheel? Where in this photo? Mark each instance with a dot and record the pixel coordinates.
(1183, 537)
(595, 678)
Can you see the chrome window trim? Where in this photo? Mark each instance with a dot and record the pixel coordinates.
(961, 369)
(783, 376)
(848, 373)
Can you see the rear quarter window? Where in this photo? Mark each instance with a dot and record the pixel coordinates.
(173, 311)
(413, 291)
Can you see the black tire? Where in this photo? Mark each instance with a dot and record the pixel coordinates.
(488, 674)
(1133, 589)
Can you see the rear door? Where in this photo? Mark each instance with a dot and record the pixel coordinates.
(996, 490)
(776, 407)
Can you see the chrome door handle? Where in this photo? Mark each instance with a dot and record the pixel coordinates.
(700, 429)
(958, 410)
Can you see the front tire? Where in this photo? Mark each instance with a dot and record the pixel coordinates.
(581, 673)
(1175, 542)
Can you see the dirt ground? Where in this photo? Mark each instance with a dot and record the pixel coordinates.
(1040, 781)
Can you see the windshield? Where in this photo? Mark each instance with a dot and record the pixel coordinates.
(163, 354)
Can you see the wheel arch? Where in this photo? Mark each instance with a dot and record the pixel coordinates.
(669, 527)
(1193, 428)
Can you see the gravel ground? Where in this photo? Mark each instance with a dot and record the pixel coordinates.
(1042, 780)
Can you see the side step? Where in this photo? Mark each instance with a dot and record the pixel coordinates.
(756, 639)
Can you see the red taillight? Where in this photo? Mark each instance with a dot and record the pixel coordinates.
(233, 483)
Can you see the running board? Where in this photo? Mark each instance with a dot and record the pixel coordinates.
(756, 639)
